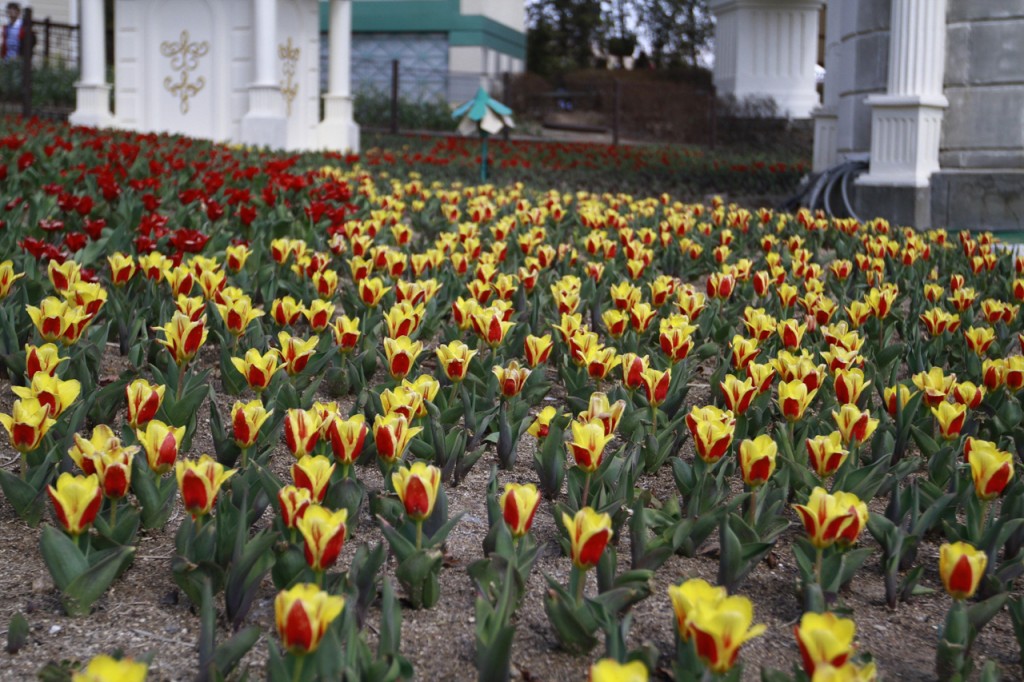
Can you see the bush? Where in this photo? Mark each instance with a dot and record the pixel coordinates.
(373, 109)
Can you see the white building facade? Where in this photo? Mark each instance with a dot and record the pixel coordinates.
(930, 91)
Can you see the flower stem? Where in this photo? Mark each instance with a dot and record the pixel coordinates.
(586, 489)
(181, 380)
(752, 508)
(297, 673)
(818, 555)
(113, 513)
(419, 534)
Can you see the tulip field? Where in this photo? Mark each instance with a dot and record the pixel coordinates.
(327, 417)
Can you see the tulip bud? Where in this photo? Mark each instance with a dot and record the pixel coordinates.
(511, 378)
(689, 596)
(391, 435)
(950, 418)
(161, 443)
(105, 668)
(42, 359)
(610, 670)
(587, 444)
(794, 399)
(454, 358)
(991, 470)
(246, 421)
(855, 425)
(537, 349)
(296, 352)
(401, 353)
(183, 337)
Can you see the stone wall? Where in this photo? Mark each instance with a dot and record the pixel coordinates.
(863, 68)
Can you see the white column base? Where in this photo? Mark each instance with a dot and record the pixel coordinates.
(92, 107)
(338, 131)
(266, 124)
(905, 132)
(826, 139)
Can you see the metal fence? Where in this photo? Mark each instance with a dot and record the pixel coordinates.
(41, 81)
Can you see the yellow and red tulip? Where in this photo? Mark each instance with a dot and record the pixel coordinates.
(950, 418)
(633, 366)
(183, 337)
(303, 614)
(762, 376)
(656, 383)
(44, 359)
(7, 278)
(403, 319)
(743, 351)
(144, 400)
(491, 325)
(961, 568)
(258, 368)
(27, 424)
(161, 443)
(51, 392)
(979, 339)
(968, 394)
(401, 353)
(455, 358)
(688, 597)
(854, 424)
(57, 320)
(285, 311)
(991, 469)
(518, 506)
(738, 393)
(826, 517)
(246, 421)
(313, 473)
(849, 384)
(825, 453)
(825, 639)
(301, 431)
(588, 444)
(296, 352)
(417, 487)
(346, 437)
(200, 482)
(794, 399)
(76, 501)
(113, 466)
(720, 630)
(391, 435)
(293, 502)
(893, 393)
(934, 384)
(791, 333)
(511, 378)
(589, 533)
(541, 425)
(323, 533)
(238, 314)
(757, 460)
(346, 333)
(537, 349)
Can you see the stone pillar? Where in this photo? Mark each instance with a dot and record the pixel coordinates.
(906, 122)
(826, 117)
(93, 92)
(768, 48)
(338, 130)
(265, 124)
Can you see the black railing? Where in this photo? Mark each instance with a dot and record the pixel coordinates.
(40, 81)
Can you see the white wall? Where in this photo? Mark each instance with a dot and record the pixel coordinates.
(511, 13)
(59, 11)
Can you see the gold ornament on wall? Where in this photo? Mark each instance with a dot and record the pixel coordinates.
(289, 55)
(184, 55)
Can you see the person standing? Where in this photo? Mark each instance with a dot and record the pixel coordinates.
(13, 32)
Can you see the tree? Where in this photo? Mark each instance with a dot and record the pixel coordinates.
(678, 30)
(562, 34)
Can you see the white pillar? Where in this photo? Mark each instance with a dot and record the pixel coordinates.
(826, 117)
(92, 90)
(906, 122)
(768, 48)
(265, 124)
(338, 130)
